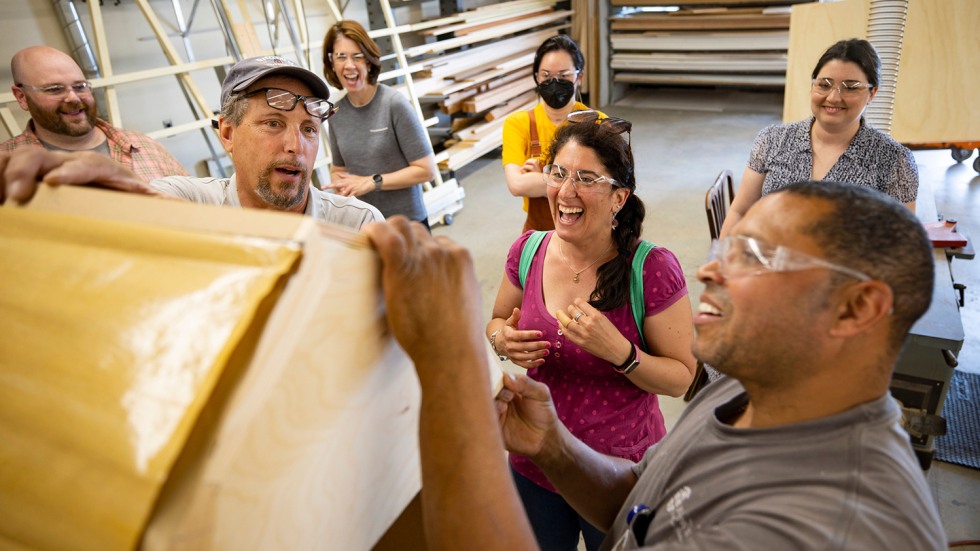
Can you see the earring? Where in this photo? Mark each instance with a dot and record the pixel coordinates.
(615, 223)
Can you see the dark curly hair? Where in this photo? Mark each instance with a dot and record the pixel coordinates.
(613, 278)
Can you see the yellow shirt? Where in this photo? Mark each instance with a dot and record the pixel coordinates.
(517, 135)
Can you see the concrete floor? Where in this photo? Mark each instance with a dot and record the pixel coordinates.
(681, 140)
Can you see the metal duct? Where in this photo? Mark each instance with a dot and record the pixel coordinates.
(81, 50)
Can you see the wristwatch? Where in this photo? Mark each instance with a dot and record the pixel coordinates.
(378, 180)
(629, 365)
(493, 344)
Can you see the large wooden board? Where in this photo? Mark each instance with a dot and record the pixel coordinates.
(937, 68)
(939, 73)
(114, 337)
(306, 438)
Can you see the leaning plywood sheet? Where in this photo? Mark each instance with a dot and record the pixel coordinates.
(936, 70)
(309, 439)
(113, 336)
(317, 447)
(938, 74)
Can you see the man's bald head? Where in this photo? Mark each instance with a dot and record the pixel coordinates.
(30, 63)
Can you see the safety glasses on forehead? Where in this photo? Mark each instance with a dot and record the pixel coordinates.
(742, 256)
(284, 100)
(612, 124)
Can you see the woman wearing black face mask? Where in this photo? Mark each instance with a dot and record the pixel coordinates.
(558, 66)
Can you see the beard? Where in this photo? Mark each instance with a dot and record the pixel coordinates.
(282, 196)
(52, 121)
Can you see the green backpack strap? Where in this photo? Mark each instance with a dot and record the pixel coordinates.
(636, 277)
(636, 287)
(527, 254)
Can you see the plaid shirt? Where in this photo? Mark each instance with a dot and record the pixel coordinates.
(137, 152)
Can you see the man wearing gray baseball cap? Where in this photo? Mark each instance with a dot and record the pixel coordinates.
(271, 113)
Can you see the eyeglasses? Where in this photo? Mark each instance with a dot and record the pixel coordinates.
(340, 59)
(567, 74)
(742, 256)
(584, 181)
(846, 88)
(284, 100)
(60, 90)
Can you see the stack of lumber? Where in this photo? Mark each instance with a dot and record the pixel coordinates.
(735, 43)
(478, 71)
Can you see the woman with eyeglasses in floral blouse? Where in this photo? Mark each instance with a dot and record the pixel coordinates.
(836, 143)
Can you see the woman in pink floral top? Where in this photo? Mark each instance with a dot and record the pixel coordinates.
(573, 328)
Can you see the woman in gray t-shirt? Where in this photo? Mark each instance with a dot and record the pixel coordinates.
(836, 143)
(380, 151)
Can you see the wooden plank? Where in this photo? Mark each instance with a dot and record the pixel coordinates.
(105, 63)
(485, 56)
(204, 109)
(489, 34)
(482, 102)
(650, 22)
(463, 29)
(702, 41)
(702, 62)
(9, 122)
(670, 3)
(521, 102)
(937, 68)
(701, 79)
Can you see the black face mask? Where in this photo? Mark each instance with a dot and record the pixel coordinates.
(556, 92)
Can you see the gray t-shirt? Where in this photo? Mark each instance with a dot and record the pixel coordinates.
(383, 136)
(329, 207)
(849, 481)
(784, 154)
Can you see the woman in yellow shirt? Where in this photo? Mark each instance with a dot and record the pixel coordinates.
(558, 67)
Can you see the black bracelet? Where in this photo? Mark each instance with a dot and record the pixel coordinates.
(625, 365)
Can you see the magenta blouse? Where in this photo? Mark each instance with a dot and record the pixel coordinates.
(599, 406)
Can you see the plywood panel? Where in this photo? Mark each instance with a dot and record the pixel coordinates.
(938, 74)
(114, 337)
(813, 28)
(308, 441)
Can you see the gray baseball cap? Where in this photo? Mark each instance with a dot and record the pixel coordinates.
(247, 71)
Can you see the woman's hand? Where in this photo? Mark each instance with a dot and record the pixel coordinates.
(590, 329)
(532, 165)
(522, 347)
(349, 185)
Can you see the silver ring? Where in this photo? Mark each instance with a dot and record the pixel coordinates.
(577, 316)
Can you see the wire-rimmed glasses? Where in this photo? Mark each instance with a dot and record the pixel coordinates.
(743, 256)
(284, 100)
